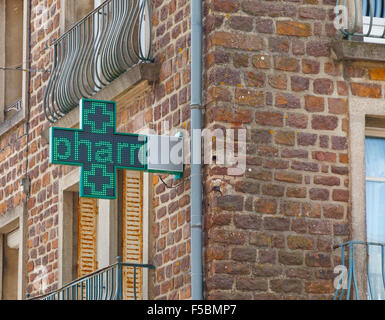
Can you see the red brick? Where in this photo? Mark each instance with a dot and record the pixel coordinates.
(293, 28)
(297, 120)
(261, 61)
(318, 260)
(249, 97)
(324, 156)
(324, 122)
(300, 242)
(289, 177)
(319, 194)
(287, 101)
(238, 115)
(333, 211)
(286, 64)
(290, 258)
(314, 104)
(269, 119)
(341, 195)
(310, 66)
(323, 86)
(327, 181)
(338, 105)
(286, 286)
(278, 81)
(228, 6)
(319, 287)
(319, 227)
(299, 83)
(268, 206)
(285, 138)
(237, 41)
(366, 90)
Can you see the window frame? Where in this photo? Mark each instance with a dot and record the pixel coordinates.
(108, 229)
(12, 220)
(69, 17)
(360, 109)
(146, 227)
(8, 124)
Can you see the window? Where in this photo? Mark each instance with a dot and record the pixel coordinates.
(94, 232)
(13, 58)
(12, 267)
(75, 10)
(375, 215)
(133, 209)
(78, 229)
(377, 11)
(86, 229)
(10, 246)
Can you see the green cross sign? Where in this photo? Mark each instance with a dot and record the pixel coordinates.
(98, 149)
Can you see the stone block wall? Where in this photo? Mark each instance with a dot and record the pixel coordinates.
(270, 231)
(167, 100)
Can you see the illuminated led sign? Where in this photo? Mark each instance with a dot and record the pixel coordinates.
(98, 149)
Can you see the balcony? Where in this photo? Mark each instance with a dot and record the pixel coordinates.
(362, 273)
(105, 284)
(362, 28)
(362, 19)
(101, 47)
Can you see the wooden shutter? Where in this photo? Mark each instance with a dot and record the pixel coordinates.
(87, 250)
(132, 232)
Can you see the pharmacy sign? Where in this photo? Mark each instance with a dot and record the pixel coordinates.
(99, 150)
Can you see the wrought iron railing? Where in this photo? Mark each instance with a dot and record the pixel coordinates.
(104, 284)
(368, 257)
(97, 50)
(361, 18)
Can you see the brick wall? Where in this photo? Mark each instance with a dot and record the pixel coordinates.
(168, 100)
(43, 200)
(271, 230)
(23, 152)
(12, 167)
(267, 68)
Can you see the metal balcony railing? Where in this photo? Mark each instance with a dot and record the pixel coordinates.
(362, 19)
(97, 50)
(368, 257)
(104, 284)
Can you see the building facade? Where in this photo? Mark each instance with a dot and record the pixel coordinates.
(309, 97)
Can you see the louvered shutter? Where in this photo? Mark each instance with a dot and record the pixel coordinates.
(132, 232)
(87, 250)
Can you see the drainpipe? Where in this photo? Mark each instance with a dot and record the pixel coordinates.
(196, 153)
